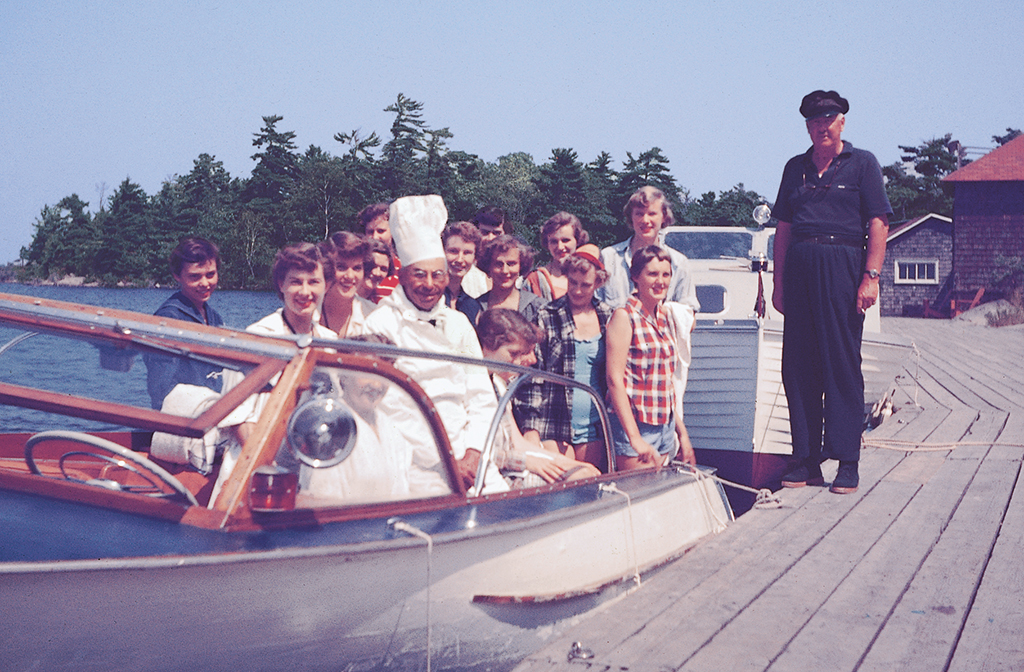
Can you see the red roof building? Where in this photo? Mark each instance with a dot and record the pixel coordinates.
(988, 215)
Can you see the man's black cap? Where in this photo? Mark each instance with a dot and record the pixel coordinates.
(820, 103)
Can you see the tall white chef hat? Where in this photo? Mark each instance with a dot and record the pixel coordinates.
(416, 225)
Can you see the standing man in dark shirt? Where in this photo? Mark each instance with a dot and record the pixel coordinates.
(829, 247)
(195, 265)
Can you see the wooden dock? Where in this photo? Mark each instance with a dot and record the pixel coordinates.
(921, 569)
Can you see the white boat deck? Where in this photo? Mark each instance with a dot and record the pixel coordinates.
(921, 569)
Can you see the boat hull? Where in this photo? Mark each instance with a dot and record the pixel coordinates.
(504, 577)
(736, 409)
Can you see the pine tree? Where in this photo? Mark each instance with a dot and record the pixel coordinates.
(648, 168)
(399, 163)
(125, 234)
(274, 177)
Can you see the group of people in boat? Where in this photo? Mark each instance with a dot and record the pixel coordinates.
(617, 319)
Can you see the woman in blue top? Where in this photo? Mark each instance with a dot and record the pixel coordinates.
(566, 419)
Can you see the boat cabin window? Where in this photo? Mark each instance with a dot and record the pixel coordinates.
(712, 298)
(711, 244)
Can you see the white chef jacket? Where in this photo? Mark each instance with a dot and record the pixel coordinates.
(373, 472)
(463, 395)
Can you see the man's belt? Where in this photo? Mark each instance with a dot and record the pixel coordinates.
(831, 239)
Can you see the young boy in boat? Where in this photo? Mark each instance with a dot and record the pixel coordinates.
(195, 265)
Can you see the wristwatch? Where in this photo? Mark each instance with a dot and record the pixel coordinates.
(872, 273)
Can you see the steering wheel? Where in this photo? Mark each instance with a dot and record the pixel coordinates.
(116, 456)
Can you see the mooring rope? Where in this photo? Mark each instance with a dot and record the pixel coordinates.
(701, 476)
(925, 447)
(416, 532)
(611, 487)
(766, 499)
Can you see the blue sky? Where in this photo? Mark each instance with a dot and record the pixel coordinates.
(93, 92)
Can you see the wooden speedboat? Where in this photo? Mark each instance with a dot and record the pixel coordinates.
(114, 559)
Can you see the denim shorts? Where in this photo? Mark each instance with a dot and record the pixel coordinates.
(661, 437)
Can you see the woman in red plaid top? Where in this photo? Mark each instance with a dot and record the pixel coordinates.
(641, 359)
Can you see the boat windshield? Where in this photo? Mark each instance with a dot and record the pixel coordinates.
(355, 438)
(52, 369)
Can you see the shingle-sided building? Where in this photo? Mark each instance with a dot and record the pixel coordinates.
(918, 263)
(988, 214)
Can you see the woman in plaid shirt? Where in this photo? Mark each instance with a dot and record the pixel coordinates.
(565, 418)
(641, 359)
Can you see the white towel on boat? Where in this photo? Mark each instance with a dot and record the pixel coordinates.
(187, 401)
(681, 318)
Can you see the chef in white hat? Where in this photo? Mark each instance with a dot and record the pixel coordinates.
(415, 316)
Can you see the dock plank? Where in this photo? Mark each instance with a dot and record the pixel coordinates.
(726, 589)
(991, 639)
(669, 584)
(926, 621)
(862, 604)
(761, 632)
(969, 354)
(1011, 441)
(973, 385)
(919, 570)
(947, 389)
(990, 426)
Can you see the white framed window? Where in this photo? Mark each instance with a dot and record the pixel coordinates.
(916, 272)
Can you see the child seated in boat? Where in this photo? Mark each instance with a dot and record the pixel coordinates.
(506, 336)
(194, 265)
(377, 469)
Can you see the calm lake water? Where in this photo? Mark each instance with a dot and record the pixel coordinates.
(54, 364)
(239, 309)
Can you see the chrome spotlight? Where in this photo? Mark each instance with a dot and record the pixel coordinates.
(322, 432)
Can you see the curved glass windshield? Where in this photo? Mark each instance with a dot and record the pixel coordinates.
(393, 455)
(119, 373)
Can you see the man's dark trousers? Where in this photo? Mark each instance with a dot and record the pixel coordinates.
(821, 362)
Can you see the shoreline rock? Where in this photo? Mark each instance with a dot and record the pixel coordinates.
(1000, 310)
